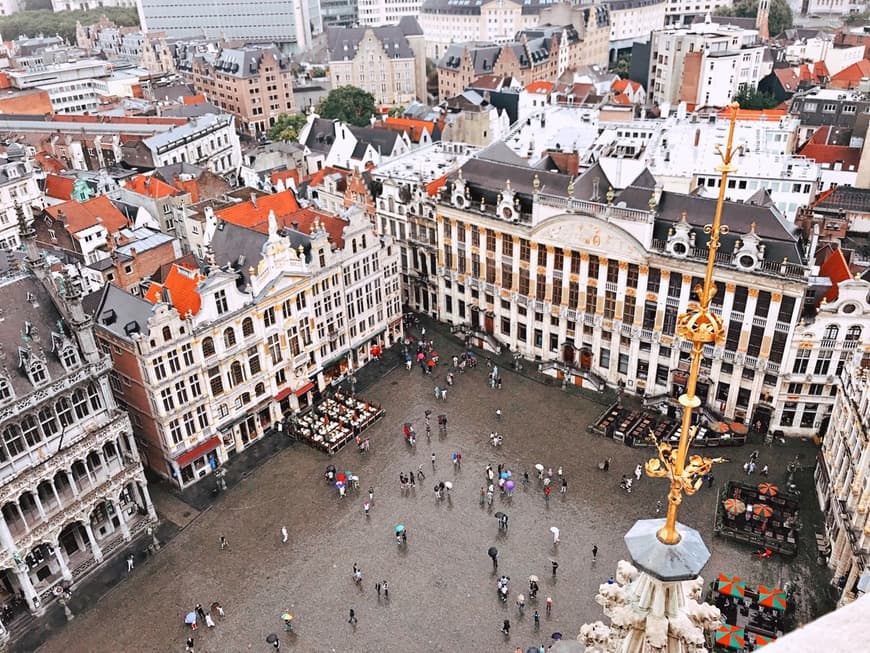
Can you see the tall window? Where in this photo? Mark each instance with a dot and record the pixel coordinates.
(628, 309)
(275, 348)
(30, 427)
(64, 411)
(220, 302)
(802, 361)
(248, 327)
(823, 362)
(215, 381)
(237, 375)
(229, 337)
(269, 317)
(594, 267)
(48, 422)
(80, 403)
(187, 354)
(207, 347)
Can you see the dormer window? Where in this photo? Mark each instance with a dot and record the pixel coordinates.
(5, 389)
(38, 374)
(69, 357)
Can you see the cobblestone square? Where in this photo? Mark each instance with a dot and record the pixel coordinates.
(442, 584)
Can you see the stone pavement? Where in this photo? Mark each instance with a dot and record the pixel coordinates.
(443, 594)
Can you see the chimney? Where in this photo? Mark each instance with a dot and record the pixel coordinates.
(133, 252)
(864, 85)
(254, 199)
(697, 137)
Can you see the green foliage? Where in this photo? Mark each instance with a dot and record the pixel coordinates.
(750, 98)
(348, 104)
(780, 17)
(622, 65)
(397, 112)
(36, 5)
(317, 72)
(287, 126)
(856, 18)
(62, 23)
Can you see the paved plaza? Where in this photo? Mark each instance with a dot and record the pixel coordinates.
(442, 584)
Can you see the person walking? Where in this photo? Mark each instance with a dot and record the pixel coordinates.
(555, 566)
(658, 506)
(224, 543)
(371, 495)
(386, 589)
(209, 622)
(555, 535)
(130, 561)
(378, 588)
(284, 534)
(594, 552)
(420, 475)
(352, 620)
(411, 479)
(189, 646)
(200, 612)
(710, 480)
(537, 617)
(219, 609)
(547, 494)
(526, 478)
(549, 606)
(638, 472)
(506, 627)
(564, 489)
(498, 414)
(367, 506)
(433, 460)
(521, 604)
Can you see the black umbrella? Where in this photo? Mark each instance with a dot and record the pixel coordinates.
(500, 515)
(271, 638)
(533, 649)
(441, 485)
(436, 488)
(330, 468)
(556, 636)
(493, 552)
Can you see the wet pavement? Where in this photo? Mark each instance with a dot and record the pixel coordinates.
(442, 585)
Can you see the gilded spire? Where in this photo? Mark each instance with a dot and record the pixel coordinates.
(700, 326)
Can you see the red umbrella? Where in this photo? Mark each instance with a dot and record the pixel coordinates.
(718, 427)
(762, 510)
(768, 488)
(738, 428)
(341, 477)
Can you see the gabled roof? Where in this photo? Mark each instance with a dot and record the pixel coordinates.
(540, 88)
(847, 198)
(151, 187)
(82, 215)
(49, 163)
(58, 186)
(343, 42)
(255, 213)
(181, 284)
(819, 149)
(850, 76)
(381, 140)
(414, 128)
(836, 268)
(625, 86)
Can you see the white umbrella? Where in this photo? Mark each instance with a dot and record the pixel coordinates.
(539, 467)
(448, 485)
(554, 530)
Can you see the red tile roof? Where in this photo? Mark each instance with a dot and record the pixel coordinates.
(317, 178)
(817, 148)
(836, 268)
(755, 114)
(433, 186)
(541, 88)
(83, 215)
(150, 186)
(181, 282)
(851, 76)
(284, 175)
(304, 218)
(193, 99)
(48, 163)
(254, 214)
(622, 98)
(58, 187)
(625, 86)
(414, 128)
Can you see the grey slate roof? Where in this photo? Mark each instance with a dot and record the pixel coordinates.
(238, 247)
(382, 140)
(472, 7)
(169, 172)
(498, 152)
(122, 313)
(343, 42)
(321, 136)
(848, 199)
(244, 62)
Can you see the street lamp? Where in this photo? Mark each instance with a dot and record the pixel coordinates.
(155, 543)
(63, 592)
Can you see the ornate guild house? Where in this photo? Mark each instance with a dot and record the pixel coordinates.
(72, 488)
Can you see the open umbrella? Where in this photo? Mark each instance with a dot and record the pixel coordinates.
(399, 528)
(448, 485)
(738, 428)
(509, 485)
(341, 477)
(539, 467)
(734, 506)
(762, 510)
(500, 515)
(556, 636)
(768, 489)
(287, 616)
(772, 597)
(190, 618)
(731, 586)
(504, 476)
(271, 638)
(731, 636)
(718, 427)
(492, 552)
(533, 579)
(761, 640)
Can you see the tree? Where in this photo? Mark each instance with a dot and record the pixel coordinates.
(779, 19)
(62, 23)
(348, 104)
(622, 66)
(287, 126)
(397, 111)
(750, 98)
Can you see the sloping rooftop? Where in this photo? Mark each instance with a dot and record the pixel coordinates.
(151, 187)
(179, 289)
(122, 313)
(58, 186)
(847, 198)
(83, 215)
(343, 42)
(821, 151)
(255, 213)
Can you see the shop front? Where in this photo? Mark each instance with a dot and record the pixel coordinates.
(199, 461)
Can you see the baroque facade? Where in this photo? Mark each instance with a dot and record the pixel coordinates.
(72, 487)
(211, 359)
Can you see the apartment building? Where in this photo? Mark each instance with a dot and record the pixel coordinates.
(385, 12)
(85, 5)
(633, 20)
(684, 12)
(254, 83)
(841, 478)
(212, 358)
(705, 64)
(388, 61)
(72, 487)
(18, 188)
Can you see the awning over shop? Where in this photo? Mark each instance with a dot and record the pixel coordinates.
(305, 388)
(198, 451)
(283, 394)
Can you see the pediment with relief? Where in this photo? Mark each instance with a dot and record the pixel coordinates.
(591, 235)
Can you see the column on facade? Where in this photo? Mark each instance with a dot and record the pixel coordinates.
(70, 477)
(545, 275)
(142, 486)
(92, 540)
(39, 508)
(6, 538)
(30, 595)
(661, 301)
(21, 513)
(122, 518)
(56, 495)
(64, 568)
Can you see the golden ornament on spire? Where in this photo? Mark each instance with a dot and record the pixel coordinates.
(700, 326)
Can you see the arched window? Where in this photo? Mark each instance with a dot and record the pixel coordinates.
(69, 357)
(5, 389)
(237, 374)
(207, 348)
(80, 403)
(853, 334)
(363, 241)
(37, 373)
(831, 332)
(64, 411)
(259, 389)
(48, 422)
(30, 426)
(247, 327)
(229, 337)
(353, 245)
(94, 397)
(12, 440)
(167, 334)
